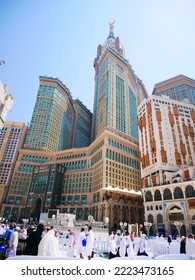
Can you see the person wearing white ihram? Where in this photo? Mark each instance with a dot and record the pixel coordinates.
(90, 243)
(2, 230)
(49, 245)
(129, 241)
(190, 245)
(143, 245)
(112, 247)
(13, 242)
(80, 247)
(71, 243)
(123, 246)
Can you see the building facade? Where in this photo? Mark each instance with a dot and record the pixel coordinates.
(102, 179)
(179, 88)
(118, 90)
(167, 155)
(140, 160)
(82, 125)
(52, 119)
(12, 138)
(88, 174)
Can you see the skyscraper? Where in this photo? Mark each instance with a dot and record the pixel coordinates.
(53, 117)
(166, 143)
(101, 178)
(11, 140)
(118, 90)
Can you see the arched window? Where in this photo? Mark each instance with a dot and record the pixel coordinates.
(159, 219)
(178, 193)
(149, 196)
(167, 195)
(156, 207)
(190, 192)
(157, 195)
(151, 207)
(150, 219)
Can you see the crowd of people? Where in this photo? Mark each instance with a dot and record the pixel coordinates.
(124, 245)
(47, 241)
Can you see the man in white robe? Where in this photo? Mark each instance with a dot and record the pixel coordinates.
(49, 245)
(71, 244)
(112, 247)
(2, 230)
(90, 243)
(80, 247)
(13, 242)
(190, 245)
(143, 245)
(129, 242)
(123, 246)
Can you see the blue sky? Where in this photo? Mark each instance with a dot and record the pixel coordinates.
(60, 38)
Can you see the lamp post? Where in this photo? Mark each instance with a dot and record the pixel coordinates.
(178, 226)
(106, 221)
(140, 227)
(25, 221)
(91, 220)
(31, 220)
(2, 219)
(66, 218)
(147, 226)
(123, 226)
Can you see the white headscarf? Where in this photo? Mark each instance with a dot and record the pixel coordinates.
(49, 245)
(112, 244)
(143, 243)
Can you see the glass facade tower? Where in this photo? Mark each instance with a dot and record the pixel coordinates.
(52, 119)
(118, 90)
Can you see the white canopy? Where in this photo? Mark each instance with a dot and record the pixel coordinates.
(122, 191)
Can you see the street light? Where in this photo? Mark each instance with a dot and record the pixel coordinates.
(178, 225)
(2, 219)
(123, 226)
(147, 226)
(91, 220)
(25, 221)
(106, 221)
(66, 218)
(138, 231)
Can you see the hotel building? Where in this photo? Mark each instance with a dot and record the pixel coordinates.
(118, 91)
(179, 88)
(167, 155)
(102, 179)
(12, 138)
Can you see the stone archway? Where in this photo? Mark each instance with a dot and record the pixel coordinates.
(175, 213)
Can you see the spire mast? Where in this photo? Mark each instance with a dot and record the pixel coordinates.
(111, 24)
